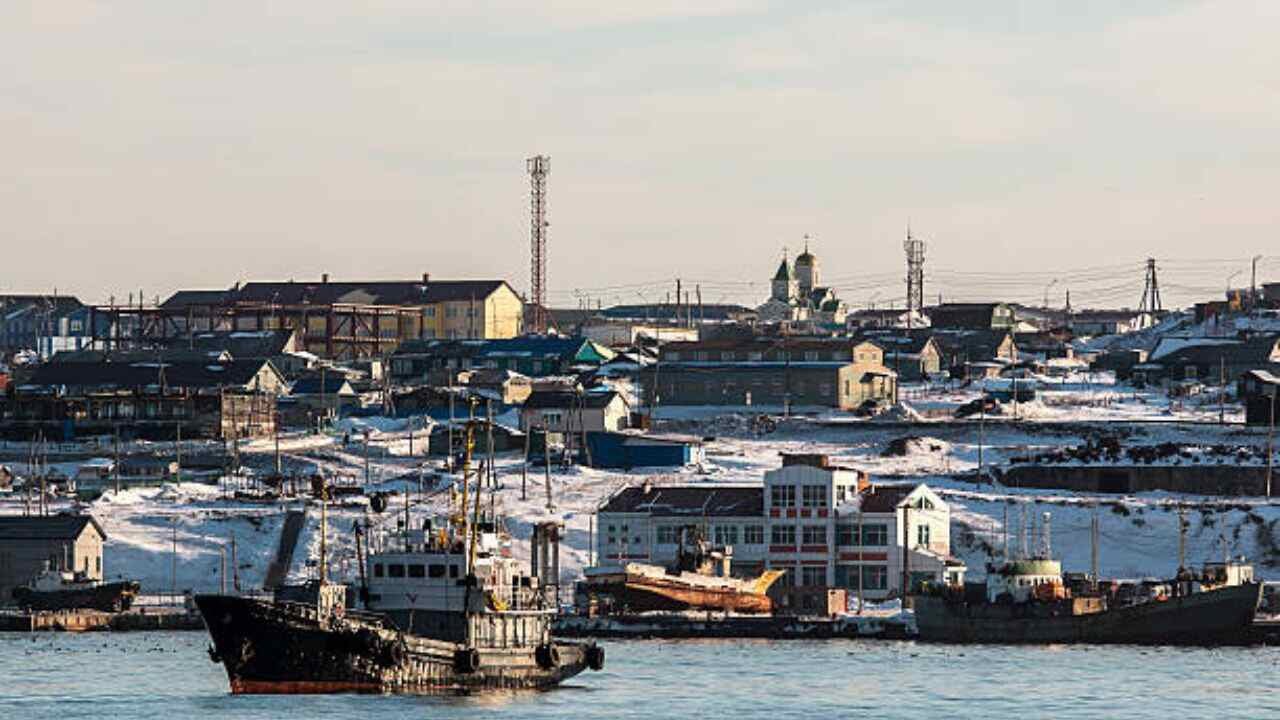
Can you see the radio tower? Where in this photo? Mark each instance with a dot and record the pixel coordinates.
(1150, 305)
(915, 276)
(539, 167)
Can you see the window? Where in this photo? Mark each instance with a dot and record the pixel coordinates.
(453, 571)
(429, 312)
(814, 535)
(813, 576)
(417, 570)
(875, 534)
(755, 356)
(783, 496)
(550, 418)
(436, 570)
(451, 312)
(673, 356)
(782, 535)
(726, 535)
(875, 577)
(666, 535)
(814, 496)
(811, 355)
(377, 569)
(395, 571)
(846, 534)
(99, 564)
(701, 356)
(922, 535)
(753, 534)
(727, 356)
(536, 367)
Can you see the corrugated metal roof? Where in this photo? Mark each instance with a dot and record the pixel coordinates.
(53, 527)
(689, 500)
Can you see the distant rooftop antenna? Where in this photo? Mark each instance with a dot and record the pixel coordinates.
(539, 166)
(1150, 304)
(915, 275)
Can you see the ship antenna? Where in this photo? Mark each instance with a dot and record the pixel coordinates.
(1048, 537)
(1023, 533)
(324, 525)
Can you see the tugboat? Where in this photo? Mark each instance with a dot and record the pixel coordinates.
(63, 590)
(1027, 600)
(446, 609)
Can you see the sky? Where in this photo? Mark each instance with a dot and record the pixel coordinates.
(1037, 147)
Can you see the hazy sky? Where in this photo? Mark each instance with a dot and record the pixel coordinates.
(160, 144)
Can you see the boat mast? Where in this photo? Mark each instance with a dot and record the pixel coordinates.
(324, 525)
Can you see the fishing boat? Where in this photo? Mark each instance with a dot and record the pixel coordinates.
(1029, 600)
(65, 590)
(438, 608)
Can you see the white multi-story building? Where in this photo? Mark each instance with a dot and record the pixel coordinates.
(828, 526)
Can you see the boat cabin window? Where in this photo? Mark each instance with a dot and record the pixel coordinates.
(437, 571)
(417, 570)
(377, 569)
(395, 571)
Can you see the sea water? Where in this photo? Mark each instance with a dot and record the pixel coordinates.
(169, 675)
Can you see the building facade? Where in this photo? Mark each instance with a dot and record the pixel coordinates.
(61, 542)
(827, 526)
(771, 372)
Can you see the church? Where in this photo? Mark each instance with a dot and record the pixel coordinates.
(797, 295)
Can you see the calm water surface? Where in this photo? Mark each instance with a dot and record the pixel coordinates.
(167, 675)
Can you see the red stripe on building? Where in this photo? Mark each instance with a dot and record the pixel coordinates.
(873, 556)
(813, 548)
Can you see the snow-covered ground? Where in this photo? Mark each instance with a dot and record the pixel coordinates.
(1139, 533)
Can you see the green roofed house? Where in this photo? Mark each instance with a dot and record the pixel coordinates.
(439, 361)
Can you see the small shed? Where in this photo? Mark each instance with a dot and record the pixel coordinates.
(1258, 390)
(27, 543)
(629, 450)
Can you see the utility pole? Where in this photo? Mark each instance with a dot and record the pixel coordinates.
(115, 466)
(1271, 439)
(177, 449)
(1222, 390)
(982, 426)
(1182, 539)
(1253, 283)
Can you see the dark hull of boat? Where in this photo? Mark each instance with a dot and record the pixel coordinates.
(1217, 617)
(273, 648)
(107, 597)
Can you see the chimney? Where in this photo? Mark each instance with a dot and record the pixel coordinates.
(324, 278)
(426, 278)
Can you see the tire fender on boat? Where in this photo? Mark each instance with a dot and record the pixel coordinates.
(594, 655)
(548, 656)
(466, 661)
